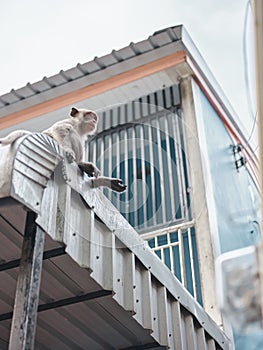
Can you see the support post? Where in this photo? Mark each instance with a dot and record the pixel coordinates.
(22, 336)
(204, 220)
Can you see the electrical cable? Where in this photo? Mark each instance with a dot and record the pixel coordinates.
(246, 75)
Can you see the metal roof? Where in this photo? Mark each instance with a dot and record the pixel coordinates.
(157, 40)
(102, 286)
(160, 44)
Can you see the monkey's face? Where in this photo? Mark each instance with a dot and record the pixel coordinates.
(89, 121)
(86, 120)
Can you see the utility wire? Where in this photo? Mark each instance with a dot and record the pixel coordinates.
(246, 74)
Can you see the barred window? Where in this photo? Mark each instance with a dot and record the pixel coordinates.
(177, 249)
(142, 143)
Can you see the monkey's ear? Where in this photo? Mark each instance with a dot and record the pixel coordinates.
(74, 111)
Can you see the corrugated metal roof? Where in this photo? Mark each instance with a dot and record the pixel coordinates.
(158, 45)
(157, 40)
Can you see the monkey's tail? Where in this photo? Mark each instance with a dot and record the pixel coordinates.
(13, 136)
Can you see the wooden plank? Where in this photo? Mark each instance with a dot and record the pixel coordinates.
(23, 328)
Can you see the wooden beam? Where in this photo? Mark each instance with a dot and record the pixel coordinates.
(23, 327)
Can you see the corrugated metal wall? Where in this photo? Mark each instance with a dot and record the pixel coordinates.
(117, 259)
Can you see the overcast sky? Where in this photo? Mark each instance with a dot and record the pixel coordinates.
(39, 38)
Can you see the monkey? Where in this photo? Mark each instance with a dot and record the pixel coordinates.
(71, 134)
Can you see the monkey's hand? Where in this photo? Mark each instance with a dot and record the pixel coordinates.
(70, 155)
(89, 168)
(112, 183)
(117, 185)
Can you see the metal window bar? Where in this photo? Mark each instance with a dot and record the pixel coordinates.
(169, 164)
(134, 170)
(151, 161)
(170, 246)
(92, 151)
(142, 175)
(126, 169)
(184, 166)
(182, 257)
(156, 159)
(109, 152)
(192, 262)
(184, 242)
(161, 167)
(179, 150)
(151, 153)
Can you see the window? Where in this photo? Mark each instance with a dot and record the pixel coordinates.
(177, 249)
(141, 142)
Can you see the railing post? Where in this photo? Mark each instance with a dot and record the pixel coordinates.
(22, 336)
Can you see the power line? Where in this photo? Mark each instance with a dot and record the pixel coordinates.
(246, 73)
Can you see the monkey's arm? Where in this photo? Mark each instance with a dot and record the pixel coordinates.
(59, 131)
(112, 183)
(89, 168)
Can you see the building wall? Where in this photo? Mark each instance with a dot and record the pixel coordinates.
(235, 194)
(175, 150)
(234, 197)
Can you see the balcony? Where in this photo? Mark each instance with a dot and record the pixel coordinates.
(102, 286)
